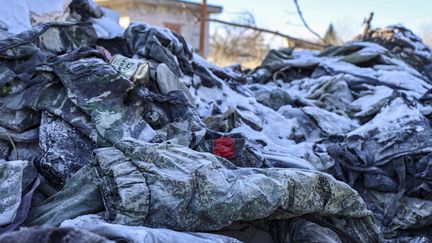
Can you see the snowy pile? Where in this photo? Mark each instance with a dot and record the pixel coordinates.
(118, 135)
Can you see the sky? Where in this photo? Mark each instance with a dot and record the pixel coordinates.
(346, 15)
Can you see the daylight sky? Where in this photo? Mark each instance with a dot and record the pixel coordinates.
(346, 15)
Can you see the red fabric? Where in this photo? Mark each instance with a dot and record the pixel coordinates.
(224, 147)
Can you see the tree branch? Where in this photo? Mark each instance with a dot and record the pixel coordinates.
(297, 42)
(367, 24)
(304, 21)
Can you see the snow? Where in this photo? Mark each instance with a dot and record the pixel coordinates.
(19, 15)
(404, 81)
(330, 122)
(416, 43)
(391, 118)
(279, 128)
(107, 27)
(48, 10)
(369, 47)
(276, 132)
(14, 15)
(375, 97)
(396, 78)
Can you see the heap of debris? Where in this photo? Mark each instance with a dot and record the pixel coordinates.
(130, 136)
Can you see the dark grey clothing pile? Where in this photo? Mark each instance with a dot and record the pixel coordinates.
(328, 146)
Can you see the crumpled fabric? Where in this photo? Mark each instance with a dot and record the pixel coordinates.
(249, 232)
(64, 150)
(20, 120)
(106, 113)
(271, 96)
(52, 235)
(388, 152)
(18, 180)
(52, 37)
(25, 151)
(404, 44)
(37, 91)
(281, 64)
(198, 186)
(4, 150)
(278, 231)
(301, 230)
(78, 197)
(85, 9)
(328, 92)
(370, 102)
(161, 45)
(167, 82)
(11, 189)
(98, 89)
(359, 111)
(330, 123)
(140, 234)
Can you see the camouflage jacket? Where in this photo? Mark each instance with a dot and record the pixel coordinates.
(167, 185)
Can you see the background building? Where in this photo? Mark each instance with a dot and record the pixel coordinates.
(177, 15)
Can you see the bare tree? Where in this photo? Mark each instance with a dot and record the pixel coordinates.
(367, 24)
(304, 21)
(331, 38)
(293, 41)
(233, 44)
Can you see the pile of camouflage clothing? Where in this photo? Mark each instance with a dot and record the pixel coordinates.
(110, 135)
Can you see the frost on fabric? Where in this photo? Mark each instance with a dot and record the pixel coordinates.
(370, 101)
(391, 118)
(329, 122)
(277, 132)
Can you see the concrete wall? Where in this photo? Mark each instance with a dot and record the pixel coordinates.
(162, 15)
